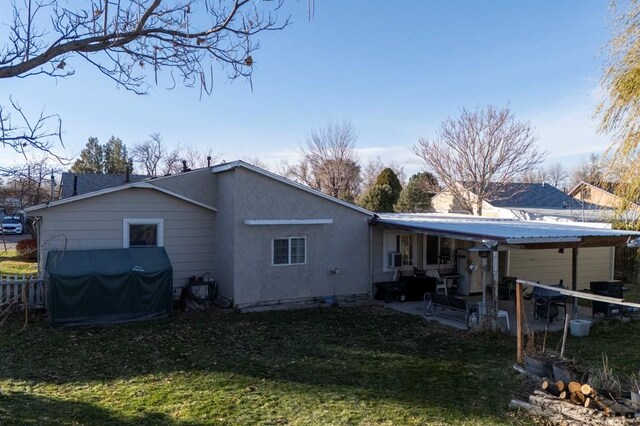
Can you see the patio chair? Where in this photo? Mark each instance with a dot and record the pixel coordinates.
(441, 285)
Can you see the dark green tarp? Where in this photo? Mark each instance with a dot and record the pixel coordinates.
(88, 287)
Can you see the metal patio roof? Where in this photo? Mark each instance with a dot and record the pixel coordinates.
(519, 233)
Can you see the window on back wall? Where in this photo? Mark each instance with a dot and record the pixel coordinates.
(405, 248)
(143, 233)
(290, 251)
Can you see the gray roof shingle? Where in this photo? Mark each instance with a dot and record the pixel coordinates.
(94, 182)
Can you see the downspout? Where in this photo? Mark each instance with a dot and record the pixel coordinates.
(574, 279)
(370, 261)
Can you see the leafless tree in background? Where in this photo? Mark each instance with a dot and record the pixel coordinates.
(156, 158)
(29, 184)
(329, 161)
(590, 171)
(473, 154)
(149, 154)
(126, 40)
(557, 175)
(197, 158)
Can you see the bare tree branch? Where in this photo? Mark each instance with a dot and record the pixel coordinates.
(128, 41)
(473, 154)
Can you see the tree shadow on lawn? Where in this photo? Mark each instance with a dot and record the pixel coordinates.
(367, 352)
(18, 408)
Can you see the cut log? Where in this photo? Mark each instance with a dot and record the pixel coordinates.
(563, 395)
(585, 389)
(588, 403)
(560, 385)
(574, 387)
(577, 398)
(550, 387)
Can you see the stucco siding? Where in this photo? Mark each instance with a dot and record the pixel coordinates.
(342, 246)
(224, 228)
(199, 185)
(549, 266)
(97, 223)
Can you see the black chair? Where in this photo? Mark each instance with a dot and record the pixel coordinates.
(547, 302)
(507, 288)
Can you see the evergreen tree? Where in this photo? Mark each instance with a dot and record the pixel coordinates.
(416, 195)
(379, 198)
(115, 157)
(108, 158)
(91, 158)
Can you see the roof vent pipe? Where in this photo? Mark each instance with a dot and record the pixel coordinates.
(75, 185)
(208, 161)
(127, 177)
(184, 166)
(53, 186)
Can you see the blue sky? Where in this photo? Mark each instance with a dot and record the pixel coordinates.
(394, 69)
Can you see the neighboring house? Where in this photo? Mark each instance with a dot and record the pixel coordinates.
(603, 194)
(72, 184)
(265, 239)
(527, 201)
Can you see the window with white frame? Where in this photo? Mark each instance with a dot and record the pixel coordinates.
(405, 248)
(290, 251)
(142, 233)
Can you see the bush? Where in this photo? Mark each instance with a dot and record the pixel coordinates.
(28, 250)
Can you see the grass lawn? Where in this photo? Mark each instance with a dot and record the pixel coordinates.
(339, 366)
(333, 366)
(10, 263)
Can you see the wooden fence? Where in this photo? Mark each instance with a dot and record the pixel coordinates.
(13, 288)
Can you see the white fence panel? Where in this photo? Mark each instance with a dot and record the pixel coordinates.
(12, 288)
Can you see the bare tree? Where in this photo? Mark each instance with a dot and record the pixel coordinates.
(557, 175)
(149, 153)
(534, 176)
(127, 41)
(31, 183)
(198, 158)
(329, 161)
(475, 153)
(590, 171)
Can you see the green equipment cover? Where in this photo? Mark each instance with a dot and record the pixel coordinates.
(89, 287)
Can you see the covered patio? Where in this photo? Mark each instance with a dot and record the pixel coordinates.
(483, 253)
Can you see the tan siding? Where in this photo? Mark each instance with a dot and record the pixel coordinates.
(549, 266)
(97, 223)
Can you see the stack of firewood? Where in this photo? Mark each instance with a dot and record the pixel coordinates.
(574, 403)
(585, 395)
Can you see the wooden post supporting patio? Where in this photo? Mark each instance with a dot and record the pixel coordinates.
(574, 280)
(519, 337)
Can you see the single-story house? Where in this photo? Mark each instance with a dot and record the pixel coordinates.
(526, 201)
(603, 194)
(264, 238)
(267, 240)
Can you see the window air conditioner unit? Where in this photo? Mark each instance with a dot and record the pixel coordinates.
(395, 259)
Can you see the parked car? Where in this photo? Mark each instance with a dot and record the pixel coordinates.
(11, 225)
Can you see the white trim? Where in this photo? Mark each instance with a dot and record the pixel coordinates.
(273, 242)
(543, 240)
(235, 164)
(288, 221)
(143, 185)
(142, 221)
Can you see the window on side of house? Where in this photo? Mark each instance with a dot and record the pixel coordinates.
(143, 233)
(290, 251)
